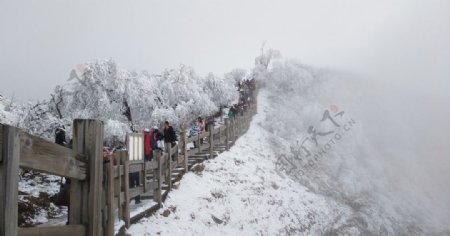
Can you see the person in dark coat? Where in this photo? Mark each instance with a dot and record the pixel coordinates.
(63, 196)
(169, 134)
(133, 182)
(60, 135)
(231, 113)
(170, 137)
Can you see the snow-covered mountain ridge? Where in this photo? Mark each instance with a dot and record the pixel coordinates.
(327, 154)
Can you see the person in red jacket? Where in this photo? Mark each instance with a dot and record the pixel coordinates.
(147, 145)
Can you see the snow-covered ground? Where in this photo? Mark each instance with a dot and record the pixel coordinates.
(36, 196)
(378, 166)
(241, 193)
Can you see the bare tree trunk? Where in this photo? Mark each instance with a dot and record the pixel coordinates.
(127, 113)
(58, 100)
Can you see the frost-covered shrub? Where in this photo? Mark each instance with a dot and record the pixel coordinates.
(9, 111)
(40, 121)
(220, 90)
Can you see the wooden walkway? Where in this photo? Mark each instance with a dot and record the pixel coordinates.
(100, 193)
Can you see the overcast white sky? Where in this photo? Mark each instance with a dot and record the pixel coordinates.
(41, 41)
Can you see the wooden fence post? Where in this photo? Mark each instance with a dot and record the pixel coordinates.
(158, 192)
(86, 196)
(184, 150)
(118, 185)
(227, 134)
(232, 131)
(109, 227)
(177, 153)
(9, 172)
(220, 135)
(169, 166)
(124, 160)
(236, 129)
(144, 176)
(199, 144)
(211, 140)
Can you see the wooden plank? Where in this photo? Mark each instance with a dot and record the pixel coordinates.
(184, 150)
(158, 192)
(211, 140)
(126, 189)
(122, 198)
(134, 167)
(169, 168)
(1, 143)
(144, 177)
(9, 173)
(204, 147)
(231, 135)
(191, 152)
(95, 158)
(191, 139)
(86, 196)
(118, 171)
(119, 200)
(109, 228)
(204, 135)
(132, 162)
(172, 166)
(151, 165)
(216, 131)
(174, 150)
(199, 143)
(150, 186)
(118, 187)
(136, 191)
(75, 206)
(220, 135)
(66, 230)
(227, 134)
(41, 155)
(180, 159)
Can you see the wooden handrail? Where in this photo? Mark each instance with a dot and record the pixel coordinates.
(66, 230)
(98, 191)
(42, 155)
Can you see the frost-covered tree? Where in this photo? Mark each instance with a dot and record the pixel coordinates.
(128, 101)
(57, 101)
(262, 62)
(183, 96)
(236, 75)
(221, 90)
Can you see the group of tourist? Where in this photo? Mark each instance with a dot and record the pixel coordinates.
(155, 140)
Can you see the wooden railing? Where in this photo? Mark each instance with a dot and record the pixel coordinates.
(98, 189)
